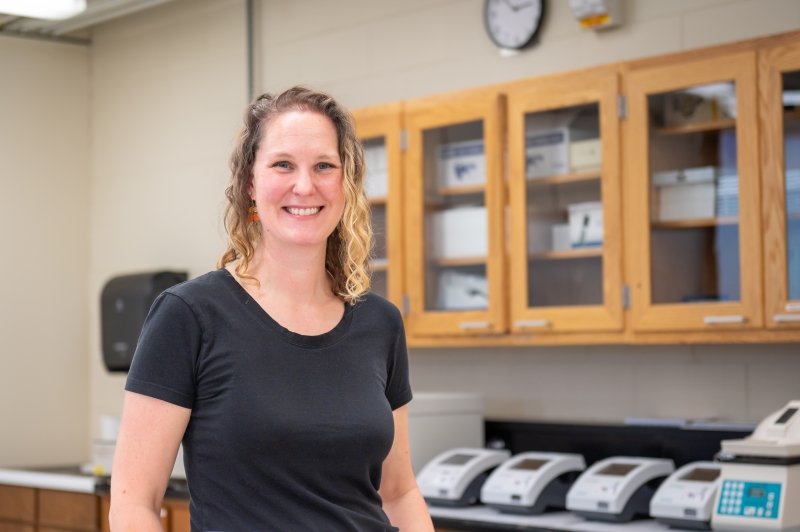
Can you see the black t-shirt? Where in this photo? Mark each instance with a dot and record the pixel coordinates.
(287, 432)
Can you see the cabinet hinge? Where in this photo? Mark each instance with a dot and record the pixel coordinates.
(626, 296)
(404, 140)
(406, 305)
(622, 107)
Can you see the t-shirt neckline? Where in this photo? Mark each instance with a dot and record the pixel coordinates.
(301, 340)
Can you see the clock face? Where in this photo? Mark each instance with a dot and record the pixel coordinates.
(513, 24)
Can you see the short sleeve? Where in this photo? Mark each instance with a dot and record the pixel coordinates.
(398, 385)
(169, 344)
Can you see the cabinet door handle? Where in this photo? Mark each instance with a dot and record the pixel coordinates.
(784, 318)
(525, 324)
(716, 320)
(471, 325)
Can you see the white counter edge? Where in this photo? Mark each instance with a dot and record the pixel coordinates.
(54, 481)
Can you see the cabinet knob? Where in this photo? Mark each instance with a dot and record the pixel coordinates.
(529, 324)
(786, 318)
(469, 325)
(717, 320)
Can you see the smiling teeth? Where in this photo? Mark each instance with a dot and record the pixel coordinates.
(303, 212)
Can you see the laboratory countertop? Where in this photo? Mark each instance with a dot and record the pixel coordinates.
(485, 518)
(66, 478)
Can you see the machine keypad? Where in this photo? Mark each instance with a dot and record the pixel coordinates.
(749, 499)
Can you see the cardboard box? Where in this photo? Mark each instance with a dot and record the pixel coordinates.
(585, 155)
(700, 104)
(461, 164)
(686, 194)
(586, 224)
(458, 232)
(548, 140)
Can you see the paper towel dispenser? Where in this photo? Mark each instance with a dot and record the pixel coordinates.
(124, 304)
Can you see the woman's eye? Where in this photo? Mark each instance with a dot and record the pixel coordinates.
(281, 164)
(324, 166)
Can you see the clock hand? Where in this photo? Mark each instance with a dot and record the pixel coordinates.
(521, 6)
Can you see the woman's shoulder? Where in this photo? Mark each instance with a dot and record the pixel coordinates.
(376, 305)
(204, 286)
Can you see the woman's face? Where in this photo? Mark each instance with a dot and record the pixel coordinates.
(297, 180)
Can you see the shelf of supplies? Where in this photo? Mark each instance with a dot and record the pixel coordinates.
(698, 127)
(458, 261)
(572, 177)
(696, 222)
(567, 254)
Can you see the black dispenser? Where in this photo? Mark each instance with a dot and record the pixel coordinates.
(124, 304)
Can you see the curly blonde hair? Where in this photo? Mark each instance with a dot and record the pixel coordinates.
(348, 248)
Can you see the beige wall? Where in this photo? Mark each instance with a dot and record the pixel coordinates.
(44, 230)
(137, 137)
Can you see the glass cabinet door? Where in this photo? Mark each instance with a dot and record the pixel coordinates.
(694, 195)
(454, 233)
(380, 129)
(565, 206)
(780, 124)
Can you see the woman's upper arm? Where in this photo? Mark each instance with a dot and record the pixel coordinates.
(150, 434)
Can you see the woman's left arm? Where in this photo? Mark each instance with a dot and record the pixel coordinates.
(402, 500)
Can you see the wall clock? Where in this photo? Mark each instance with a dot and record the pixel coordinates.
(513, 24)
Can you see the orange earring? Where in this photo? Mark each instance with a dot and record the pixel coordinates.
(252, 213)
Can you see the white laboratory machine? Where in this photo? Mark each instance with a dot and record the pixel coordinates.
(532, 482)
(618, 488)
(686, 499)
(760, 479)
(455, 477)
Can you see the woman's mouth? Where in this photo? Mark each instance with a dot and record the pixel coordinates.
(303, 211)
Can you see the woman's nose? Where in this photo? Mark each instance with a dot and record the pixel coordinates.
(304, 183)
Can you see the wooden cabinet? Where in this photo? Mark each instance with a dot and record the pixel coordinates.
(65, 510)
(17, 509)
(455, 251)
(692, 185)
(779, 107)
(380, 129)
(680, 175)
(564, 199)
(174, 515)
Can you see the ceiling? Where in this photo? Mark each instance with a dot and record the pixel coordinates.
(74, 28)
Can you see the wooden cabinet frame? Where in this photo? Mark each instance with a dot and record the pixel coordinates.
(486, 106)
(597, 86)
(386, 122)
(781, 313)
(639, 84)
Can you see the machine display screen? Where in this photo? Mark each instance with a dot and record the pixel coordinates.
(702, 474)
(786, 416)
(617, 470)
(458, 459)
(530, 464)
(756, 493)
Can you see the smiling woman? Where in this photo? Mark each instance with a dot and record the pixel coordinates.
(286, 381)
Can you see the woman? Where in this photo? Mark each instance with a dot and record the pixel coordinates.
(285, 380)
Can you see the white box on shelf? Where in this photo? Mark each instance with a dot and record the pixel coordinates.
(686, 194)
(560, 235)
(700, 104)
(461, 164)
(548, 140)
(458, 232)
(376, 182)
(585, 155)
(462, 291)
(586, 224)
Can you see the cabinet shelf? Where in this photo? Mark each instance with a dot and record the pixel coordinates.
(377, 200)
(567, 254)
(379, 265)
(696, 222)
(572, 177)
(698, 127)
(461, 191)
(458, 261)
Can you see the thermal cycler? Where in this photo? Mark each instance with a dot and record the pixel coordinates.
(455, 477)
(760, 479)
(686, 499)
(532, 482)
(617, 488)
